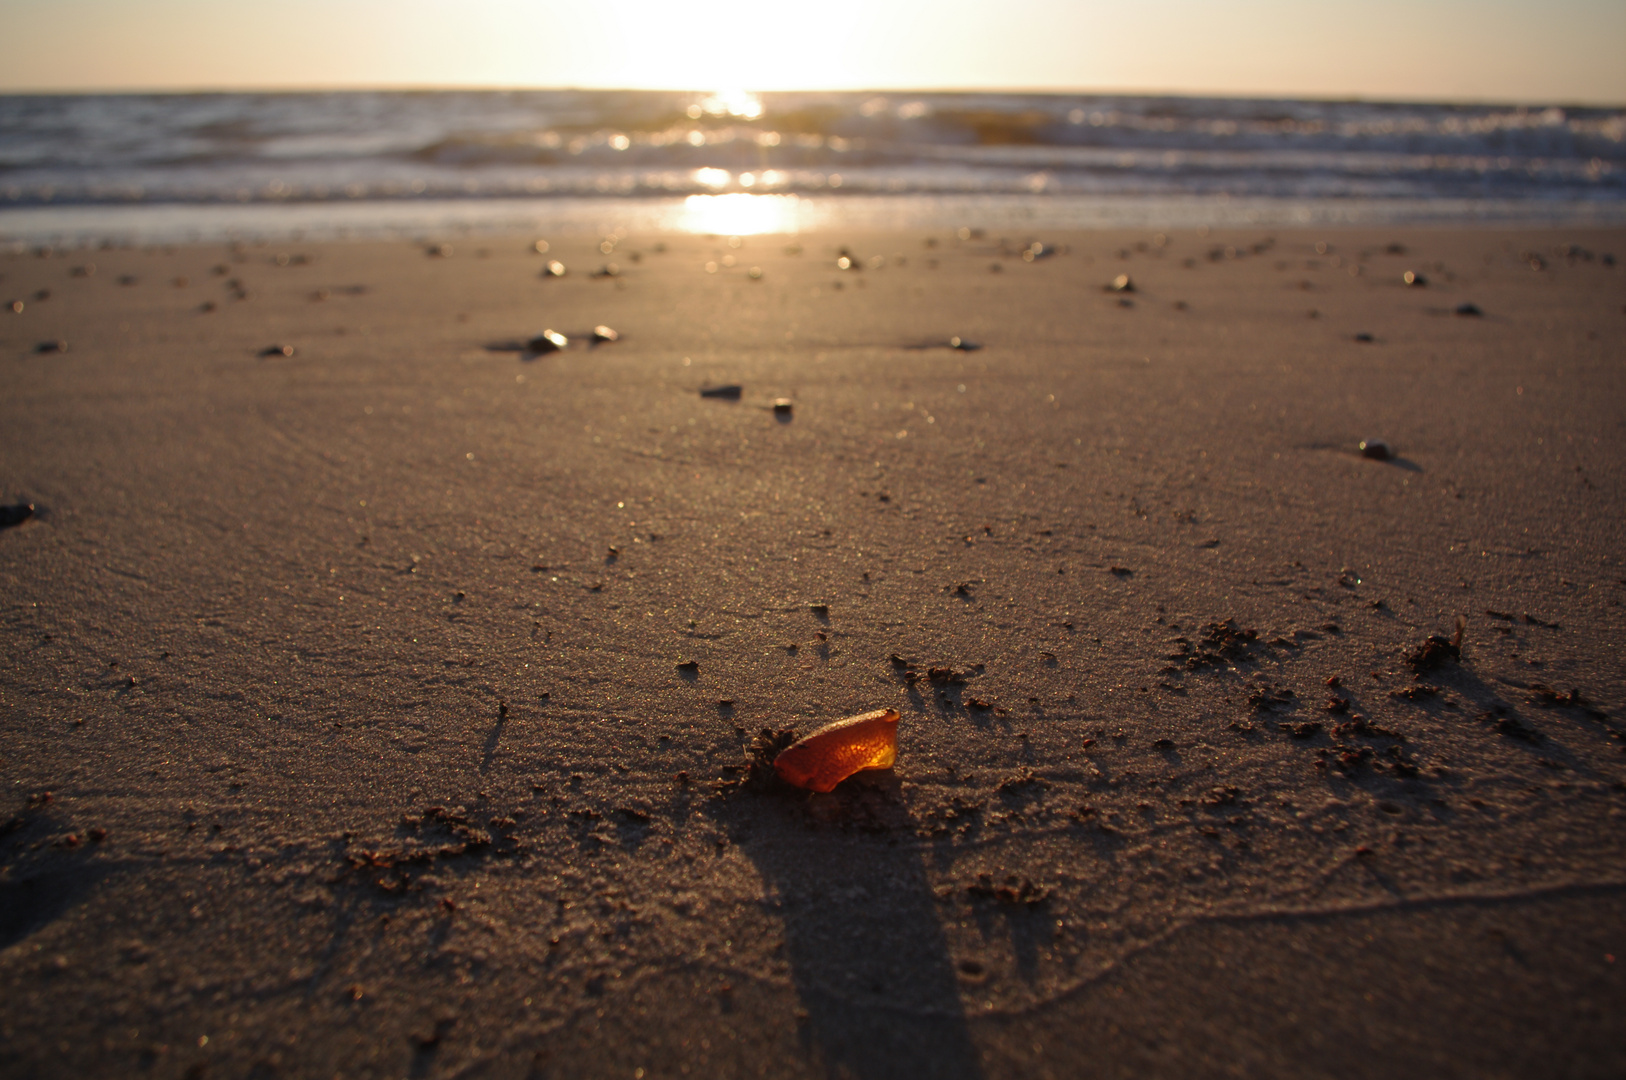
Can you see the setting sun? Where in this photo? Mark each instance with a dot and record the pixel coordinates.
(1565, 51)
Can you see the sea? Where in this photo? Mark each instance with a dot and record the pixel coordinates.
(171, 168)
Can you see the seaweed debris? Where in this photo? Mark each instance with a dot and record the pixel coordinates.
(1436, 651)
(758, 775)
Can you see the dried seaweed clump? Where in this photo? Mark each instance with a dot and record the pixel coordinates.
(759, 759)
(1541, 694)
(1436, 651)
(1222, 643)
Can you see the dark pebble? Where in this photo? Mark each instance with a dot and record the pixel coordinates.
(1365, 339)
(732, 391)
(51, 346)
(15, 514)
(547, 341)
(1376, 449)
(1469, 310)
(439, 251)
(782, 406)
(277, 350)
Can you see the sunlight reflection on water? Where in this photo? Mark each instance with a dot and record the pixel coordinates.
(740, 215)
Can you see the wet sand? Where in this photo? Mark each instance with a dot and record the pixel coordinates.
(343, 728)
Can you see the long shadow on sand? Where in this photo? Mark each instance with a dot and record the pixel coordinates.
(866, 950)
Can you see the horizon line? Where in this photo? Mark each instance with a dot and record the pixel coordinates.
(410, 88)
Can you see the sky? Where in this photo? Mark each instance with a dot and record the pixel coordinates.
(1556, 51)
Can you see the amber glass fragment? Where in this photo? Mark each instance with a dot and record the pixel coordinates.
(829, 755)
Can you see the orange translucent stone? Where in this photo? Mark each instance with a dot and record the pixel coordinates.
(829, 755)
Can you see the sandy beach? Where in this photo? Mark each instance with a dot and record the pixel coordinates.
(375, 691)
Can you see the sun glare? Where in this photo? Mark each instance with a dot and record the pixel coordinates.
(733, 102)
(740, 214)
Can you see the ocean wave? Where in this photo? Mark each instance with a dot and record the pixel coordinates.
(338, 147)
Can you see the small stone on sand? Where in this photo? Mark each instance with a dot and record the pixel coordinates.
(731, 392)
(1376, 449)
(15, 514)
(547, 341)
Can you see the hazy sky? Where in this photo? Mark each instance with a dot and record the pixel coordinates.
(1511, 50)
